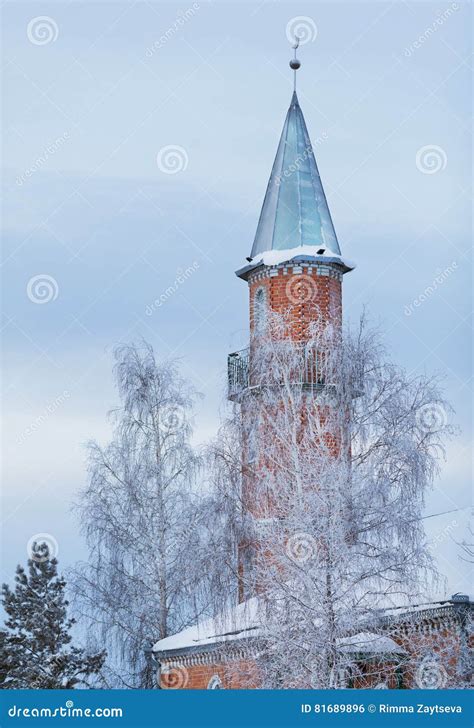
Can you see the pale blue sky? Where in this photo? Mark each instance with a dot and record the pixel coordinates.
(97, 214)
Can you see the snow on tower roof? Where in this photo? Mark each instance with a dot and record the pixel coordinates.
(295, 210)
(311, 254)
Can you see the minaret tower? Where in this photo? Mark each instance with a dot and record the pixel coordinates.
(295, 266)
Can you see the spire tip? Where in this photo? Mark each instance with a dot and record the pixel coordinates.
(295, 63)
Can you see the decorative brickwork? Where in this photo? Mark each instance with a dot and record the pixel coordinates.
(304, 293)
(241, 674)
(436, 644)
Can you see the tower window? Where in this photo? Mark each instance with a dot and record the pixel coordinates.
(260, 310)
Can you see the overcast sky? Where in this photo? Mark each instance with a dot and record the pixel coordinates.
(99, 218)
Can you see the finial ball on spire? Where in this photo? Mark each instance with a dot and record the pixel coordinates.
(295, 63)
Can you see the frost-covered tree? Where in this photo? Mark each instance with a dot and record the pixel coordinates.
(145, 525)
(36, 650)
(340, 447)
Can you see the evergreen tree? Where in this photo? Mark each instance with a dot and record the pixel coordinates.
(36, 650)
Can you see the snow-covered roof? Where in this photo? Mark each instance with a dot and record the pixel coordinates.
(241, 621)
(316, 254)
(407, 610)
(369, 643)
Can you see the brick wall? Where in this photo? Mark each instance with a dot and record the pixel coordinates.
(303, 293)
(232, 675)
(440, 636)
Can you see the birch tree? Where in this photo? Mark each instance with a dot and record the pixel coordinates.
(144, 523)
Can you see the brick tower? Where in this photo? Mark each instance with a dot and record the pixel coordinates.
(296, 269)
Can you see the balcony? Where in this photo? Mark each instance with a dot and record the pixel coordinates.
(238, 372)
(308, 373)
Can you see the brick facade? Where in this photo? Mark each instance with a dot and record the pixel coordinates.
(437, 640)
(303, 293)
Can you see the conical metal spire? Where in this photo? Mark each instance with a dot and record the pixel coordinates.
(295, 210)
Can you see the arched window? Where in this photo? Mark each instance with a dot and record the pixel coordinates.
(214, 683)
(259, 310)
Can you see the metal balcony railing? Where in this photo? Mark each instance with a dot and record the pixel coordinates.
(309, 372)
(238, 372)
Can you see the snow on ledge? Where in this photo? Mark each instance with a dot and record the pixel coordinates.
(275, 257)
(303, 252)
